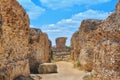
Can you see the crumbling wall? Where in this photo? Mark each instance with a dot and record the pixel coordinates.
(39, 48)
(82, 44)
(14, 35)
(107, 51)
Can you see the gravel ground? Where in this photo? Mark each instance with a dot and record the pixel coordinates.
(65, 72)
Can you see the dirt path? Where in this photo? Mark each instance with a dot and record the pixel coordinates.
(65, 72)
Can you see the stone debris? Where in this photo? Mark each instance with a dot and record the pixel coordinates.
(46, 68)
(23, 78)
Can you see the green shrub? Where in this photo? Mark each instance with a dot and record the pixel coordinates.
(68, 47)
(77, 64)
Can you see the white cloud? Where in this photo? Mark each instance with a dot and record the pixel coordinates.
(56, 4)
(53, 31)
(33, 10)
(67, 27)
(32, 26)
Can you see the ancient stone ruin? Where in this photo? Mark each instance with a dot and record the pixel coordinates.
(98, 46)
(61, 43)
(107, 51)
(81, 44)
(14, 38)
(61, 52)
(75, 47)
(46, 68)
(39, 48)
(21, 49)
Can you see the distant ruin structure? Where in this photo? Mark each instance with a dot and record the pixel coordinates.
(60, 43)
(61, 52)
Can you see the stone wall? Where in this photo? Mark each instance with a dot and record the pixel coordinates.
(14, 35)
(102, 43)
(107, 51)
(39, 48)
(61, 56)
(82, 45)
(75, 47)
(87, 44)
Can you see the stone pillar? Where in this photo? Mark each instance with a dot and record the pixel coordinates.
(60, 43)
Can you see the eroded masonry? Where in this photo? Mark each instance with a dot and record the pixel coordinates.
(97, 47)
(21, 49)
(14, 29)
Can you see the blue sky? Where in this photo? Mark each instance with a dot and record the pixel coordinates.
(61, 18)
